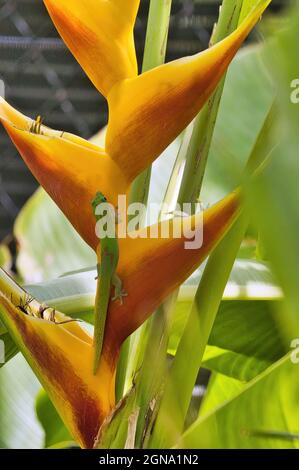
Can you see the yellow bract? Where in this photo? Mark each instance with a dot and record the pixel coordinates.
(61, 354)
(70, 169)
(100, 35)
(61, 357)
(148, 112)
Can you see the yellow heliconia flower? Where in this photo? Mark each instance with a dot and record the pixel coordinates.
(100, 35)
(146, 112)
(152, 268)
(70, 169)
(61, 357)
(61, 354)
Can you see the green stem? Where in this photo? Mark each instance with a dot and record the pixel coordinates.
(181, 380)
(204, 124)
(175, 180)
(153, 367)
(185, 366)
(120, 380)
(154, 55)
(156, 34)
(201, 138)
(150, 379)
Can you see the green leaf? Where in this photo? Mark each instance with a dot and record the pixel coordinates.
(249, 297)
(273, 197)
(245, 338)
(55, 431)
(249, 420)
(250, 286)
(249, 279)
(18, 423)
(72, 294)
(10, 348)
(49, 245)
(248, 328)
(220, 389)
(235, 365)
(239, 121)
(5, 257)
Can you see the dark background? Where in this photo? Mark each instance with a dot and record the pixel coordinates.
(41, 77)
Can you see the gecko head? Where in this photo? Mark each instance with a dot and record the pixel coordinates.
(99, 199)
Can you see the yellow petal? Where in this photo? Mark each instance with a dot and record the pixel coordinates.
(69, 168)
(149, 111)
(61, 357)
(100, 35)
(152, 268)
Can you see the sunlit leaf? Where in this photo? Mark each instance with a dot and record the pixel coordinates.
(239, 121)
(5, 257)
(48, 244)
(262, 415)
(18, 423)
(10, 348)
(247, 308)
(274, 196)
(55, 431)
(220, 389)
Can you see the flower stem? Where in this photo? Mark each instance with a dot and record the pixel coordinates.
(204, 125)
(196, 158)
(157, 334)
(180, 382)
(156, 34)
(154, 55)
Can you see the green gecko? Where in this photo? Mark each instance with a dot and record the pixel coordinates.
(107, 278)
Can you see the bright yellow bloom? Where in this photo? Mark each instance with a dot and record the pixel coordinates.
(100, 35)
(152, 268)
(61, 357)
(146, 112)
(70, 169)
(61, 354)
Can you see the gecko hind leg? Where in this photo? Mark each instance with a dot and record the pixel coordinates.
(119, 292)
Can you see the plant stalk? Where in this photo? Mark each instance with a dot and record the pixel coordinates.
(150, 380)
(180, 382)
(154, 55)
